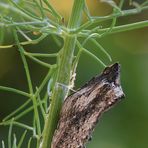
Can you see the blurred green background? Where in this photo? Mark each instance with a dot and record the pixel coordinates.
(125, 125)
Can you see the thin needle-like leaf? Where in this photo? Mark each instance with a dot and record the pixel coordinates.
(14, 141)
(41, 107)
(101, 48)
(21, 49)
(45, 80)
(54, 12)
(90, 54)
(17, 124)
(23, 113)
(25, 11)
(14, 91)
(47, 101)
(3, 144)
(43, 55)
(22, 139)
(24, 35)
(10, 134)
(17, 110)
(40, 8)
(35, 41)
(86, 10)
(38, 61)
(113, 4)
(29, 142)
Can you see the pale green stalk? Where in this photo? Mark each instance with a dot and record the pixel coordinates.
(63, 74)
(22, 139)
(30, 86)
(14, 91)
(108, 17)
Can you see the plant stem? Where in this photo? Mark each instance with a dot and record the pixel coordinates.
(14, 91)
(18, 11)
(37, 60)
(117, 29)
(43, 55)
(30, 86)
(126, 27)
(111, 16)
(63, 74)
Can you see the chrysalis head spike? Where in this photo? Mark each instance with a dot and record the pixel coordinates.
(112, 73)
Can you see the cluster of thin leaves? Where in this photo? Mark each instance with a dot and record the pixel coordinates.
(39, 17)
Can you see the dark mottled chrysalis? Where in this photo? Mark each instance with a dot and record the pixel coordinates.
(82, 109)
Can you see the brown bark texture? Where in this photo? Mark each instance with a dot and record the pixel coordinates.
(82, 109)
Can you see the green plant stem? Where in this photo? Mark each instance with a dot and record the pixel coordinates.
(54, 12)
(90, 54)
(3, 144)
(17, 124)
(35, 41)
(116, 29)
(17, 110)
(25, 11)
(14, 91)
(63, 75)
(18, 11)
(126, 27)
(10, 134)
(29, 143)
(40, 8)
(41, 108)
(43, 55)
(104, 18)
(28, 101)
(30, 86)
(23, 113)
(101, 48)
(37, 60)
(14, 141)
(22, 139)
